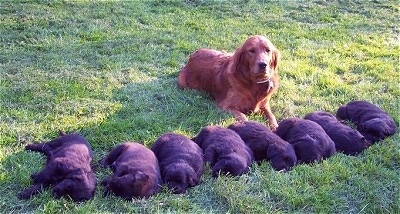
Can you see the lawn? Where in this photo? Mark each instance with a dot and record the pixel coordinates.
(107, 70)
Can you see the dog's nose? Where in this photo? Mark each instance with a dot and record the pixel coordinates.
(262, 65)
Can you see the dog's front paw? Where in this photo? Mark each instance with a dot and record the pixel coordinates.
(103, 163)
(57, 192)
(26, 194)
(274, 127)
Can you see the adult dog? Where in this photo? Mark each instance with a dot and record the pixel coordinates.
(180, 160)
(67, 170)
(241, 82)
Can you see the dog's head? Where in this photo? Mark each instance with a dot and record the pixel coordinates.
(281, 156)
(179, 177)
(377, 129)
(258, 56)
(131, 185)
(79, 185)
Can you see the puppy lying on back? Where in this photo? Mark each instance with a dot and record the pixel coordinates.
(346, 139)
(136, 171)
(266, 145)
(224, 150)
(67, 170)
(181, 161)
(309, 140)
(371, 121)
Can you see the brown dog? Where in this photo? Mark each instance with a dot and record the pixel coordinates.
(225, 150)
(180, 160)
(240, 83)
(371, 121)
(309, 139)
(136, 171)
(346, 139)
(266, 145)
(67, 169)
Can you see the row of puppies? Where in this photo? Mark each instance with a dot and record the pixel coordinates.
(178, 161)
(138, 172)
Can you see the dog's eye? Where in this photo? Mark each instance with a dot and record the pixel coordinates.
(252, 50)
(267, 50)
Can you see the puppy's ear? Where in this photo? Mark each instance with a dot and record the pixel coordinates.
(140, 176)
(275, 58)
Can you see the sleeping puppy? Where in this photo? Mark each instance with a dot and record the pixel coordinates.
(240, 82)
(181, 161)
(136, 171)
(371, 121)
(346, 139)
(224, 150)
(266, 145)
(67, 169)
(309, 139)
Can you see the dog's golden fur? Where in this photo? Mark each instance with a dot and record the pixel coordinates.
(240, 82)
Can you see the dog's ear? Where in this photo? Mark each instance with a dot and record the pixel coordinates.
(275, 58)
(238, 61)
(141, 177)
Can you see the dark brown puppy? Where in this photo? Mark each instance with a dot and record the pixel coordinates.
(240, 83)
(309, 139)
(266, 145)
(136, 171)
(371, 121)
(346, 139)
(224, 150)
(181, 161)
(67, 169)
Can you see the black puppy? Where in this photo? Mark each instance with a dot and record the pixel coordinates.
(67, 169)
(181, 161)
(136, 171)
(309, 140)
(224, 150)
(346, 139)
(266, 145)
(371, 121)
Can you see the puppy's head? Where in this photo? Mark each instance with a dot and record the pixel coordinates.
(231, 165)
(376, 129)
(281, 156)
(258, 56)
(179, 177)
(80, 186)
(131, 185)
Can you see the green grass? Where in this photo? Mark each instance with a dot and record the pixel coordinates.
(107, 69)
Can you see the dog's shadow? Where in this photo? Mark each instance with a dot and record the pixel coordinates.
(150, 108)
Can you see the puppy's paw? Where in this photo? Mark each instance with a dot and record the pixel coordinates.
(57, 192)
(102, 163)
(26, 194)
